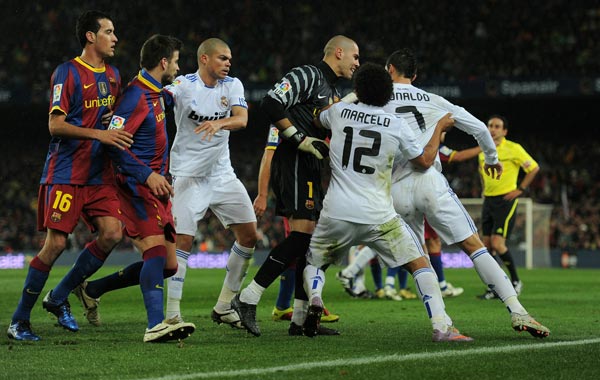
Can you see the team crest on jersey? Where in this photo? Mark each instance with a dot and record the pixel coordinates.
(117, 122)
(309, 204)
(56, 92)
(103, 88)
(112, 81)
(176, 82)
(56, 217)
(283, 87)
(224, 102)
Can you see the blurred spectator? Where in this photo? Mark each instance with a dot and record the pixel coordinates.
(520, 39)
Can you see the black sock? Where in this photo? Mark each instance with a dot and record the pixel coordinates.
(128, 276)
(124, 278)
(280, 258)
(509, 262)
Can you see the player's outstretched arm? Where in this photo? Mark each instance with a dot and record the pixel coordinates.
(430, 151)
(115, 137)
(237, 120)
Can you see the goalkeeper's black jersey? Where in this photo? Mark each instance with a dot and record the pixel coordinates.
(302, 92)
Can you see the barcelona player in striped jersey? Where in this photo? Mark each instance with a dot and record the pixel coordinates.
(77, 180)
(143, 189)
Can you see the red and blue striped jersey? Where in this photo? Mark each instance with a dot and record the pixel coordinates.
(141, 112)
(83, 93)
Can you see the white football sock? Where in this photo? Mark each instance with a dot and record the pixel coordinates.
(252, 293)
(300, 311)
(431, 296)
(175, 285)
(314, 280)
(361, 260)
(390, 281)
(494, 278)
(237, 266)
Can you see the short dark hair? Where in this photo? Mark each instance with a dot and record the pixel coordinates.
(156, 48)
(496, 116)
(404, 61)
(89, 22)
(373, 85)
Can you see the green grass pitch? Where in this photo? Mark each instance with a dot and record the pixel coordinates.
(380, 338)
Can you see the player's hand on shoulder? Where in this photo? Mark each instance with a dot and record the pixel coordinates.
(159, 185)
(116, 137)
(446, 123)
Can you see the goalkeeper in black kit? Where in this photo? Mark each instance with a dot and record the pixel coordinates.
(296, 171)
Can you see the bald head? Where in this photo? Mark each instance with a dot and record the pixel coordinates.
(336, 42)
(210, 45)
(341, 54)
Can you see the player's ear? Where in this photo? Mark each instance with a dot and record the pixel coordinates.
(90, 36)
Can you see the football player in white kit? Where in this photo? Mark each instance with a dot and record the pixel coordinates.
(358, 207)
(417, 193)
(208, 105)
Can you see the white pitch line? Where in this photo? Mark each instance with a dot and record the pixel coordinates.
(397, 358)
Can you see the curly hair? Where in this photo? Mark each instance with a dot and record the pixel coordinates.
(373, 85)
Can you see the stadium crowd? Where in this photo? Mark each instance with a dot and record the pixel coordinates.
(516, 43)
(267, 40)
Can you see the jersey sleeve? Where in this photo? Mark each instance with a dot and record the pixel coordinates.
(526, 162)
(236, 96)
(469, 124)
(325, 117)
(62, 87)
(296, 86)
(129, 115)
(171, 91)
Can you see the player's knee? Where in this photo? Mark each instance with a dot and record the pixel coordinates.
(248, 241)
(108, 238)
(54, 246)
(471, 244)
(247, 236)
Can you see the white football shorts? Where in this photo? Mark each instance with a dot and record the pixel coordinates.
(428, 193)
(225, 196)
(394, 241)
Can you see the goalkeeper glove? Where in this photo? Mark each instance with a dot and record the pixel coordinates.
(317, 147)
